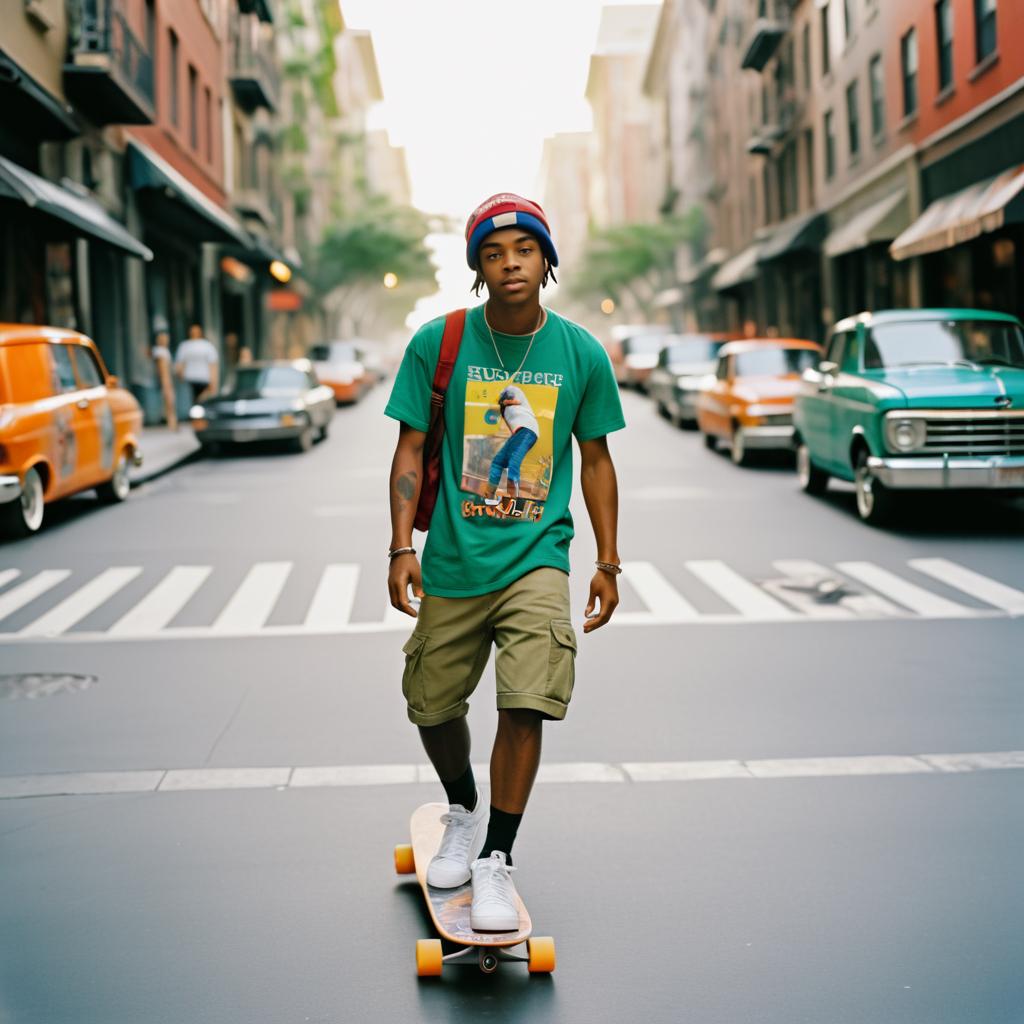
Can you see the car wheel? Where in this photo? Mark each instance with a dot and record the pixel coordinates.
(738, 447)
(116, 489)
(875, 503)
(24, 517)
(711, 442)
(663, 410)
(304, 441)
(812, 479)
(322, 436)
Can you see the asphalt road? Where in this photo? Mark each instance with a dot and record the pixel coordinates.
(788, 788)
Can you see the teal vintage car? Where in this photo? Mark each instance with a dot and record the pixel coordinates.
(922, 399)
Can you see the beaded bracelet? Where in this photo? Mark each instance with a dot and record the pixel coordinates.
(610, 567)
(395, 552)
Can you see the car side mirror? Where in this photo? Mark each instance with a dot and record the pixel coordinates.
(827, 366)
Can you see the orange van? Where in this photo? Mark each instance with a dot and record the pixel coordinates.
(66, 425)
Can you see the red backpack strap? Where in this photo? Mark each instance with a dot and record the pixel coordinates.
(454, 325)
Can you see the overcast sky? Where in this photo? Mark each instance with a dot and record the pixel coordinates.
(471, 89)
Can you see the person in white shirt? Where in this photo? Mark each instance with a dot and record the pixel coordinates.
(196, 363)
(524, 430)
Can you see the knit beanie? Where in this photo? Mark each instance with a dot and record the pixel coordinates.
(506, 210)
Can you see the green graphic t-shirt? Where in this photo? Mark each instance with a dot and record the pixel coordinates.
(506, 464)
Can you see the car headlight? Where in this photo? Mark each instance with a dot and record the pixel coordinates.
(297, 407)
(197, 412)
(904, 434)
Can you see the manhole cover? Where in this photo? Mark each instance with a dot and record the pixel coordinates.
(33, 685)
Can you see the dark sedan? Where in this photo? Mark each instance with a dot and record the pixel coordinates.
(686, 365)
(279, 400)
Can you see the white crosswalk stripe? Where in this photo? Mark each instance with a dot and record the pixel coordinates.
(805, 592)
(251, 604)
(163, 602)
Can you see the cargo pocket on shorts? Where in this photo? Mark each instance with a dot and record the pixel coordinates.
(562, 660)
(412, 677)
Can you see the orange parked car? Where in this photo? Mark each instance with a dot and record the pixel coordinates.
(750, 403)
(66, 425)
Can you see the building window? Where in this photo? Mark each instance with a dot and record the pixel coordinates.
(944, 42)
(853, 120)
(806, 48)
(193, 106)
(830, 145)
(847, 20)
(826, 46)
(908, 61)
(766, 183)
(208, 103)
(172, 77)
(809, 156)
(877, 82)
(984, 28)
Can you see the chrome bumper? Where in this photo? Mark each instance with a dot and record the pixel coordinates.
(945, 472)
(240, 434)
(768, 437)
(10, 489)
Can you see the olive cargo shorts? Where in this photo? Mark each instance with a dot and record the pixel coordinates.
(529, 623)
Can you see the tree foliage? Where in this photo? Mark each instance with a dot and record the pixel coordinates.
(374, 238)
(636, 261)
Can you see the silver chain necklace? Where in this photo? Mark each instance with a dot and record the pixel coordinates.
(540, 323)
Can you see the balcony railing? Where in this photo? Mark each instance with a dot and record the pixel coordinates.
(254, 74)
(109, 72)
(763, 41)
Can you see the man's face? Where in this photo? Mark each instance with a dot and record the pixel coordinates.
(512, 265)
(195, 331)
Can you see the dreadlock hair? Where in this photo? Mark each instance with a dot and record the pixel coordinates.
(549, 275)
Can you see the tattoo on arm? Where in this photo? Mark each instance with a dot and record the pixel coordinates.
(405, 486)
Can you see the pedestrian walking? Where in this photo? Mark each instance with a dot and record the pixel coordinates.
(161, 353)
(496, 573)
(197, 363)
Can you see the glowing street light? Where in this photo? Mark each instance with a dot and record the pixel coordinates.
(608, 306)
(280, 271)
(390, 280)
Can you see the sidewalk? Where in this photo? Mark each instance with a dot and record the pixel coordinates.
(163, 450)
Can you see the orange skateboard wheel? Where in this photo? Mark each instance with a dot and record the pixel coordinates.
(405, 864)
(541, 950)
(429, 958)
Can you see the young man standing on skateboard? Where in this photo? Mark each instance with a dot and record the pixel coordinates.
(497, 572)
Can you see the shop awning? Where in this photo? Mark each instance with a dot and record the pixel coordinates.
(83, 214)
(964, 215)
(793, 235)
(712, 261)
(741, 269)
(880, 222)
(193, 211)
(32, 108)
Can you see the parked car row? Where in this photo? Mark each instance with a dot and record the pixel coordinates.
(902, 400)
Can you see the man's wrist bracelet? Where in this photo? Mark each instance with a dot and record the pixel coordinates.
(609, 567)
(395, 552)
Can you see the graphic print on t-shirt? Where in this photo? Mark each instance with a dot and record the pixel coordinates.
(507, 445)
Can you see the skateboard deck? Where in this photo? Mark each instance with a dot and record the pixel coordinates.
(450, 908)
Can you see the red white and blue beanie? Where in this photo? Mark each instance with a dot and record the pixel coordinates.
(506, 210)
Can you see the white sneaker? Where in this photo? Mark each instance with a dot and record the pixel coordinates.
(494, 906)
(463, 839)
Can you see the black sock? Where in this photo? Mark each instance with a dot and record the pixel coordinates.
(462, 790)
(501, 833)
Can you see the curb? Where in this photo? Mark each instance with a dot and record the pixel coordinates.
(149, 476)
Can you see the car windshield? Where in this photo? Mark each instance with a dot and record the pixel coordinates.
(252, 381)
(643, 344)
(775, 362)
(336, 352)
(940, 342)
(693, 350)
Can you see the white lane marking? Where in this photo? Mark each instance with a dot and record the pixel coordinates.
(251, 604)
(163, 602)
(809, 588)
(339, 776)
(916, 598)
(664, 603)
(868, 606)
(743, 595)
(974, 583)
(82, 602)
(26, 592)
(7, 575)
(335, 594)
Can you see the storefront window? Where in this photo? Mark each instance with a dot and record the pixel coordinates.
(60, 286)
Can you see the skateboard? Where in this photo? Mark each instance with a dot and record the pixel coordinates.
(449, 910)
